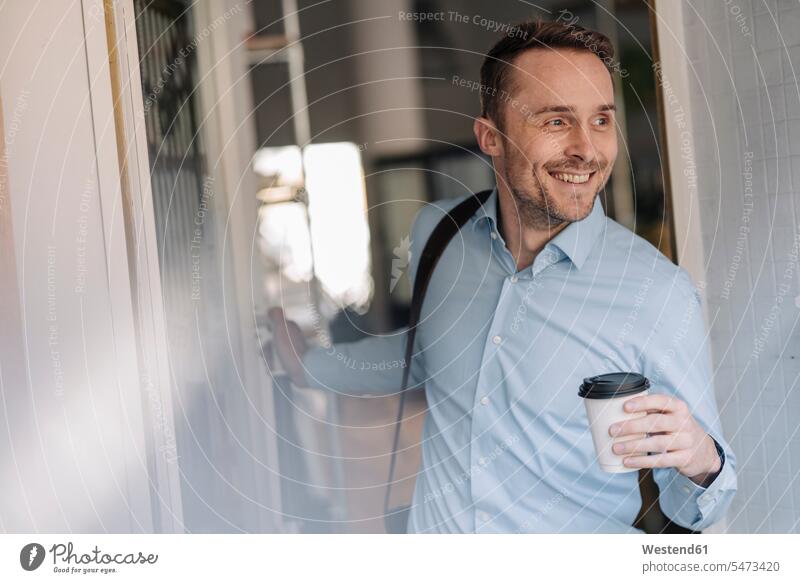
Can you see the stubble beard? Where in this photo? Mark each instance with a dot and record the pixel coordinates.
(537, 210)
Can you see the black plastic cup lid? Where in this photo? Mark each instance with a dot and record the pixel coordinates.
(615, 384)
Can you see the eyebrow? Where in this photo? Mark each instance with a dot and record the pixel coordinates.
(570, 108)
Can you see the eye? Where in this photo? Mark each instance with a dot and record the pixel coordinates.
(556, 122)
(602, 121)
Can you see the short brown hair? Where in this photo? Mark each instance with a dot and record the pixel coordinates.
(534, 34)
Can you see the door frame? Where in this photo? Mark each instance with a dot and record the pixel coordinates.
(675, 113)
(121, 57)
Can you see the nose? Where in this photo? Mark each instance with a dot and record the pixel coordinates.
(579, 146)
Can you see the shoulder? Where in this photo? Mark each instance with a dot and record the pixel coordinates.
(428, 216)
(636, 260)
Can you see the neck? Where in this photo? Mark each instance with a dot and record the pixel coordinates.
(523, 241)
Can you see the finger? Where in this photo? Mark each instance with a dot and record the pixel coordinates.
(654, 403)
(651, 423)
(660, 460)
(655, 444)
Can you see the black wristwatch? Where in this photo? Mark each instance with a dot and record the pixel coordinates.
(721, 454)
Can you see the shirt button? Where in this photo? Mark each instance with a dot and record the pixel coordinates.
(497, 339)
(494, 235)
(687, 489)
(514, 279)
(481, 461)
(484, 400)
(483, 516)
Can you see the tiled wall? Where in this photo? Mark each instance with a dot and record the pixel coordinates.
(745, 60)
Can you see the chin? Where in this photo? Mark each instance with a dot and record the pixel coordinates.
(576, 210)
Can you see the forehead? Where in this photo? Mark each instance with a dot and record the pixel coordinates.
(559, 76)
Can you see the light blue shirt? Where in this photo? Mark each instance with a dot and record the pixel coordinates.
(506, 445)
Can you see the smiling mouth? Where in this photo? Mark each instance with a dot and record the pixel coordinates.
(572, 177)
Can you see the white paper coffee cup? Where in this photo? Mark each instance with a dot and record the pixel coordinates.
(604, 396)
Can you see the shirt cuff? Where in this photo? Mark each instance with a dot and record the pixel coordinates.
(691, 505)
(316, 365)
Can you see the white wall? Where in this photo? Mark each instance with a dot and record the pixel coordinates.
(741, 60)
(72, 431)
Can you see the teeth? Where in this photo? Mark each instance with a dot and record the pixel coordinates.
(573, 178)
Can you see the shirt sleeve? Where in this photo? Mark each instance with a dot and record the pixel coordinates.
(677, 360)
(374, 365)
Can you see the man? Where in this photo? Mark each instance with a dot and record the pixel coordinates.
(538, 291)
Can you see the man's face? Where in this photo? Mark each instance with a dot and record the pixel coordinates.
(558, 138)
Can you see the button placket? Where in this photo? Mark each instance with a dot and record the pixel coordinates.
(484, 383)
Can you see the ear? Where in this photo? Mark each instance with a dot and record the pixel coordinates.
(488, 137)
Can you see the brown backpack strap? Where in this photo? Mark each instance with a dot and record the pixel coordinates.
(397, 519)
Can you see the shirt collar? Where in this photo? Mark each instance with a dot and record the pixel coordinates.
(487, 213)
(577, 239)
